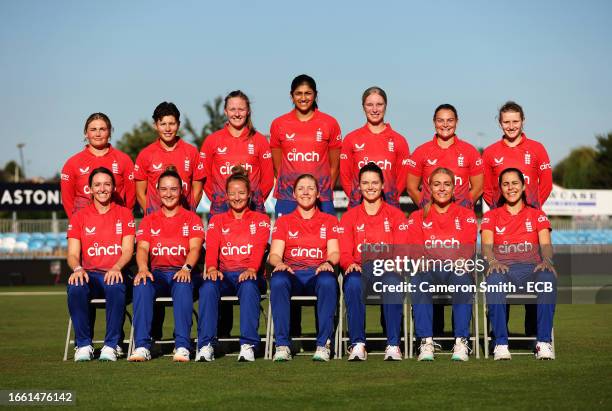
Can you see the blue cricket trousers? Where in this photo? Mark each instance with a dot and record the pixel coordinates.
(283, 285)
(79, 308)
(144, 299)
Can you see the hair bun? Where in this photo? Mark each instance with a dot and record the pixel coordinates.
(239, 170)
(171, 168)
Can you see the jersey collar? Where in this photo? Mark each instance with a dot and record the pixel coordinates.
(523, 141)
(435, 142)
(179, 143)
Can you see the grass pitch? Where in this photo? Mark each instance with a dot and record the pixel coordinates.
(32, 331)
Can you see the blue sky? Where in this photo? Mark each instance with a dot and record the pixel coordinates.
(62, 60)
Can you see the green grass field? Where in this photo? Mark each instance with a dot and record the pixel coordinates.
(32, 331)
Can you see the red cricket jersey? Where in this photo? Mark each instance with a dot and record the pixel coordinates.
(388, 149)
(168, 237)
(101, 235)
(305, 239)
(75, 178)
(305, 147)
(153, 160)
(221, 151)
(235, 244)
(530, 157)
(448, 235)
(515, 237)
(460, 157)
(387, 226)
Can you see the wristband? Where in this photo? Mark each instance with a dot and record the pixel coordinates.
(77, 268)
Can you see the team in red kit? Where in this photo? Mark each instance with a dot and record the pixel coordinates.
(306, 251)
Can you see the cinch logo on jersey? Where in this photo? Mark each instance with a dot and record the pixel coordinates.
(306, 252)
(267, 155)
(460, 161)
(251, 149)
(185, 230)
(176, 250)
(115, 167)
(391, 146)
(96, 251)
(403, 226)
(230, 250)
(370, 246)
(319, 135)
(542, 218)
(436, 243)
(65, 177)
(545, 166)
(342, 157)
(458, 181)
(337, 229)
(527, 158)
(309, 157)
(479, 162)
(323, 232)
(118, 227)
(226, 169)
(383, 164)
(524, 247)
(264, 224)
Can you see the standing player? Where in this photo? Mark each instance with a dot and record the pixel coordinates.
(372, 222)
(303, 253)
(171, 239)
(100, 244)
(448, 151)
(97, 153)
(517, 151)
(236, 241)
(375, 142)
(305, 140)
(446, 232)
(168, 150)
(237, 143)
(517, 243)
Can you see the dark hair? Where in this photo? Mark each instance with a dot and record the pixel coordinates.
(372, 167)
(239, 173)
(166, 109)
(508, 107)
(373, 90)
(101, 170)
(309, 81)
(240, 94)
(439, 170)
(446, 107)
(502, 199)
(171, 171)
(98, 116)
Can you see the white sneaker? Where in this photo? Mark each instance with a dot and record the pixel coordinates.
(461, 350)
(393, 353)
(427, 349)
(108, 354)
(83, 353)
(207, 353)
(358, 353)
(321, 354)
(119, 352)
(282, 353)
(181, 354)
(544, 351)
(501, 352)
(246, 353)
(140, 354)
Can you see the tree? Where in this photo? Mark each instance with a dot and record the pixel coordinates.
(8, 173)
(133, 142)
(603, 176)
(216, 121)
(578, 169)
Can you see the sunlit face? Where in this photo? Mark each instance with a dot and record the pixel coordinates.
(374, 107)
(236, 112)
(237, 195)
(512, 124)
(442, 187)
(167, 127)
(169, 190)
(445, 124)
(371, 186)
(511, 187)
(102, 188)
(97, 134)
(306, 193)
(303, 98)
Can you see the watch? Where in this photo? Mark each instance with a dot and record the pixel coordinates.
(187, 267)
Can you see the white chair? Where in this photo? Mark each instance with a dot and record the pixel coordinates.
(97, 303)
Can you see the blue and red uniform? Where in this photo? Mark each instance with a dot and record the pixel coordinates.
(234, 245)
(101, 237)
(75, 178)
(357, 229)
(221, 151)
(530, 157)
(460, 157)
(448, 236)
(305, 249)
(305, 147)
(516, 244)
(154, 159)
(168, 239)
(388, 149)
